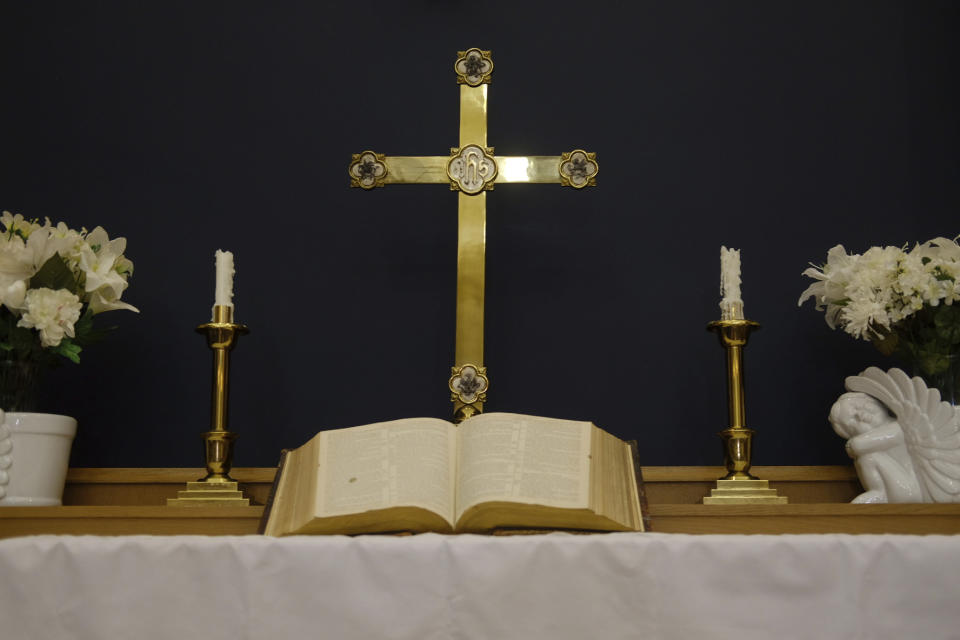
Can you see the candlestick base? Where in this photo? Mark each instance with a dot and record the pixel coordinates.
(218, 446)
(744, 491)
(206, 494)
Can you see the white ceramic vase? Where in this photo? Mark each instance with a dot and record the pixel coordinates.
(34, 454)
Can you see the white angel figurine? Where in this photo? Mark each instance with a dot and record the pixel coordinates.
(904, 441)
(6, 446)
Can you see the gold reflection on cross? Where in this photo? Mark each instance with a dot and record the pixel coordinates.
(472, 169)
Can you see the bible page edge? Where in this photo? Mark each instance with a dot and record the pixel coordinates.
(323, 490)
(462, 505)
(614, 490)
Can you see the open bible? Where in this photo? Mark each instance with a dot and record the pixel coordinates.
(493, 471)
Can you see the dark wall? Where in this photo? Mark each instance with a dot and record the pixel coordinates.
(780, 128)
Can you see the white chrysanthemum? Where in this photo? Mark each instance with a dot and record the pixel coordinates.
(932, 271)
(872, 281)
(914, 282)
(878, 267)
(861, 317)
(865, 293)
(51, 312)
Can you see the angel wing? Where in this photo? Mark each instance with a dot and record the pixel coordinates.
(930, 428)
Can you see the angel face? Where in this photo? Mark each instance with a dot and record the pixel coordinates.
(856, 413)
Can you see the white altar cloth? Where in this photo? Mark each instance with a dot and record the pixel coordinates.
(433, 586)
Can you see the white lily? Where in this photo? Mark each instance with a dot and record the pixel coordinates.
(13, 295)
(106, 270)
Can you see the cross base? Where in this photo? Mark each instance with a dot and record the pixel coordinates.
(744, 491)
(463, 411)
(208, 494)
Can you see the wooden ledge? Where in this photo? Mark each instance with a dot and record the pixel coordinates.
(806, 518)
(825, 473)
(114, 521)
(126, 475)
(147, 475)
(665, 518)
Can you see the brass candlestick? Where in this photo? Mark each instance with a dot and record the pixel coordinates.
(217, 487)
(738, 486)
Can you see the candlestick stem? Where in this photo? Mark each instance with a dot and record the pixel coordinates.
(221, 381)
(734, 347)
(222, 335)
(733, 336)
(217, 487)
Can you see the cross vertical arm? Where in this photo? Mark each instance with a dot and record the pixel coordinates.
(471, 253)
(468, 376)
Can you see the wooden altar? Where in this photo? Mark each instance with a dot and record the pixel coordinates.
(118, 501)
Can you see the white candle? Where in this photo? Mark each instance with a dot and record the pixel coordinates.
(731, 306)
(224, 292)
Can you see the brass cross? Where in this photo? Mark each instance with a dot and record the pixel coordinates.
(472, 170)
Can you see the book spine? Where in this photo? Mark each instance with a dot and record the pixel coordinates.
(273, 493)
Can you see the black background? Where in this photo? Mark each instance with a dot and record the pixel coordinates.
(780, 128)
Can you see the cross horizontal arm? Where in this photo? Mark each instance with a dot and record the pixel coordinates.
(543, 169)
(433, 169)
(416, 170)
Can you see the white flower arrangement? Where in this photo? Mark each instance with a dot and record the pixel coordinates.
(899, 299)
(53, 280)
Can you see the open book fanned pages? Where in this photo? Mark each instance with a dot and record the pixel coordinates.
(495, 471)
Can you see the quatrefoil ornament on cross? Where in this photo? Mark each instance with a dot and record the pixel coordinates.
(473, 67)
(368, 170)
(578, 169)
(469, 384)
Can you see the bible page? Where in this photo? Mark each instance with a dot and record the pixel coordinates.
(517, 458)
(388, 464)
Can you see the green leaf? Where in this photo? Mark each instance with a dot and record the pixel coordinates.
(947, 323)
(85, 333)
(947, 313)
(54, 274)
(84, 325)
(69, 350)
(932, 364)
